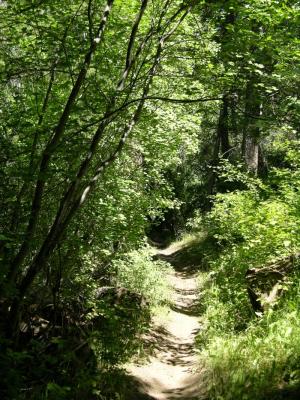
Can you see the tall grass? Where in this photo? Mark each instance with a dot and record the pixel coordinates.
(258, 362)
(249, 356)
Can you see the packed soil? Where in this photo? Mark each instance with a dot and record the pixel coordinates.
(172, 370)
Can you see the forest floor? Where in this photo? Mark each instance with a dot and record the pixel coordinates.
(172, 369)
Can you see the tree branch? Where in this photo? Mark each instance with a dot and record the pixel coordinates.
(134, 30)
(62, 220)
(50, 148)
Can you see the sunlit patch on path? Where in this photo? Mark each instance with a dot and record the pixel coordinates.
(172, 371)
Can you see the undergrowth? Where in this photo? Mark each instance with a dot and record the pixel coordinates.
(138, 272)
(258, 362)
(249, 354)
(94, 334)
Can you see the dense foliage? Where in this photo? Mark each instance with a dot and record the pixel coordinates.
(248, 344)
(121, 121)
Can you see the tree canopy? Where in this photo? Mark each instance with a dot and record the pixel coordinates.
(127, 122)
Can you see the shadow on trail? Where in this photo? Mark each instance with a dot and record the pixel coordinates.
(188, 302)
(186, 393)
(186, 263)
(192, 310)
(134, 389)
(188, 259)
(182, 262)
(169, 373)
(118, 382)
(172, 351)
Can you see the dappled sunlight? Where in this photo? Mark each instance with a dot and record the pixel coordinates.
(186, 255)
(149, 189)
(171, 370)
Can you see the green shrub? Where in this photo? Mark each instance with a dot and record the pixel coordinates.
(138, 272)
(139, 286)
(260, 361)
(247, 357)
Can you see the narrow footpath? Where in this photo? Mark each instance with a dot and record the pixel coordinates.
(172, 370)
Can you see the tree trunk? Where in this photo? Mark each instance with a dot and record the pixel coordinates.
(221, 145)
(223, 130)
(251, 131)
(77, 192)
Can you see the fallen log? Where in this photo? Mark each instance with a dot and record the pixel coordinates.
(264, 284)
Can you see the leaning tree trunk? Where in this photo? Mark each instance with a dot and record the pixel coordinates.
(88, 174)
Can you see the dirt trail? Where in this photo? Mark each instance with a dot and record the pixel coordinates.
(171, 371)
